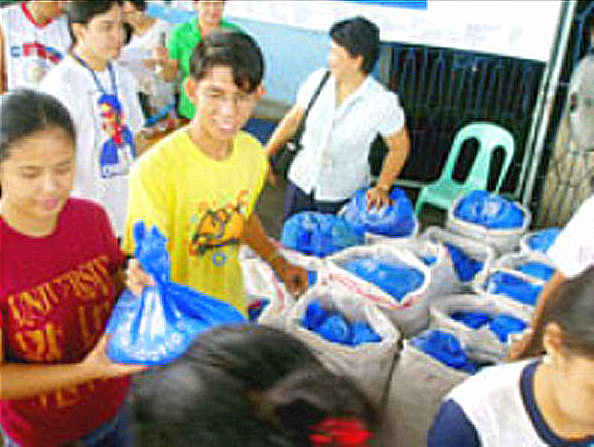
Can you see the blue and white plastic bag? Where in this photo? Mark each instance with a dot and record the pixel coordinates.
(157, 327)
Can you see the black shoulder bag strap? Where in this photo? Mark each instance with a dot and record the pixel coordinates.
(296, 140)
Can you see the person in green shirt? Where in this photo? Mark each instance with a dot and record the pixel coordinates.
(182, 41)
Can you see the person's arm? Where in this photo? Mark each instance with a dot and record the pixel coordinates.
(294, 277)
(398, 150)
(284, 130)
(22, 381)
(3, 75)
(530, 344)
(452, 428)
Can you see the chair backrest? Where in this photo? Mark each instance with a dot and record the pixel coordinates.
(489, 137)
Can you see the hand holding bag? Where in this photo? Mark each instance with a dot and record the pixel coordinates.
(282, 160)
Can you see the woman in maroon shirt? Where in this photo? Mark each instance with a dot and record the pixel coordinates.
(60, 266)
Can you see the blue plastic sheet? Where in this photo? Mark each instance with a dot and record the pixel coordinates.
(489, 210)
(157, 327)
(334, 327)
(444, 347)
(319, 234)
(513, 286)
(394, 220)
(502, 325)
(396, 280)
(466, 267)
(543, 240)
(537, 270)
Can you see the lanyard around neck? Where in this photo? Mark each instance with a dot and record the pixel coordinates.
(114, 86)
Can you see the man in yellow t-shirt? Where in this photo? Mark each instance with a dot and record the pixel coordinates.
(199, 186)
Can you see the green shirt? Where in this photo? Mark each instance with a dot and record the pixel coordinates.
(182, 41)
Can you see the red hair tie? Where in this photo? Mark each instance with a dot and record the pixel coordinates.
(338, 432)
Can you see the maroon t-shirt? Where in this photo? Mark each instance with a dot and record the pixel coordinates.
(56, 295)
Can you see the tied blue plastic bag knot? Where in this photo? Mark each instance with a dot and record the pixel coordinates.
(541, 241)
(489, 210)
(334, 327)
(157, 327)
(444, 347)
(505, 283)
(394, 220)
(319, 234)
(397, 280)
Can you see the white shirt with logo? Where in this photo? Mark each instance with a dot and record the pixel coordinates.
(31, 50)
(104, 149)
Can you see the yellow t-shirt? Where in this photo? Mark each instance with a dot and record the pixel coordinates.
(200, 205)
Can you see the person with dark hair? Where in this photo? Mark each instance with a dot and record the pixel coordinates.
(60, 272)
(351, 110)
(250, 386)
(102, 98)
(199, 185)
(175, 59)
(148, 33)
(34, 38)
(547, 401)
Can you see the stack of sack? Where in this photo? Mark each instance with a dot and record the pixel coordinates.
(429, 366)
(389, 277)
(489, 218)
(348, 334)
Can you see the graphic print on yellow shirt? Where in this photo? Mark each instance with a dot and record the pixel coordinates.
(219, 227)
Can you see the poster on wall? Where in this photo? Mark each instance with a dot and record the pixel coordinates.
(516, 28)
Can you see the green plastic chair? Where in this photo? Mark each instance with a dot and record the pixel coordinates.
(445, 190)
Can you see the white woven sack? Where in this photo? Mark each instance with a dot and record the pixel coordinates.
(368, 364)
(260, 282)
(525, 246)
(449, 280)
(502, 240)
(417, 387)
(411, 313)
(482, 342)
(443, 275)
(479, 288)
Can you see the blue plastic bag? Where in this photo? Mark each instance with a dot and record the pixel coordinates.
(336, 328)
(473, 320)
(543, 240)
(466, 267)
(444, 347)
(513, 286)
(319, 234)
(395, 220)
(537, 270)
(396, 280)
(157, 327)
(503, 325)
(489, 210)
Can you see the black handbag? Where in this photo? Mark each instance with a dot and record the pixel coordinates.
(282, 160)
(377, 153)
